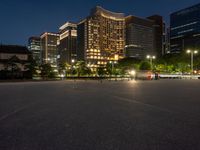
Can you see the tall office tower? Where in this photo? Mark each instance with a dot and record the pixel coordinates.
(139, 37)
(159, 29)
(164, 40)
(185, 29)
(34, 46)
(167, 41)
(49, 42)
(101, 37)
(67, 48)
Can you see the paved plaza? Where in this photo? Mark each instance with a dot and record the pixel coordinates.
(90, 115)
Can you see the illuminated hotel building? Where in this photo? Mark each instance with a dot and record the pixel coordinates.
(101, 37)
(49, 42)
(67, 48)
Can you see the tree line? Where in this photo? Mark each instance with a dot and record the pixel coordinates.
(167, 64)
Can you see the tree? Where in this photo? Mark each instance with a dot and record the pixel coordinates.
(160, 68)
(64, 68)
(144, 65)
(86, 71)
(129, 63)
(174, 63)
(182, 67)
(101, 70)
(82, 69)
(47, 71)
(32, 67)
(80, 65)
(109, 69)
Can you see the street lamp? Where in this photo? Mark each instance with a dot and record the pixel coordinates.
(150, 57)
(112, 62)
(192, 52)
(72, 62)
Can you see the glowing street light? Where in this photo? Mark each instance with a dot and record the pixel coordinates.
(112, 62)
(150, 57)
(72, 62)
(192, 52)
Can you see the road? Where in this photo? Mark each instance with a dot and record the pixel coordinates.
(90, 115)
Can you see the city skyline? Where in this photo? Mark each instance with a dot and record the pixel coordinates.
(34, 19)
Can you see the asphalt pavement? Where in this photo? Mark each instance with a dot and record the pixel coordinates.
(94, 115)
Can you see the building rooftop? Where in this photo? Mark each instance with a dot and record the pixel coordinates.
(34, 38)
(102, 11)
(68, 24)
(48, 33)
(14, 49)
(139, 20)
(186, 10)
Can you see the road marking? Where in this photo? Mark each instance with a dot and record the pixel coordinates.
(141, 103)
(14, 112)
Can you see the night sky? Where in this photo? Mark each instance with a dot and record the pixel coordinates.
(21, 19)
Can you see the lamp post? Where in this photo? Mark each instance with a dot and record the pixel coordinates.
(192, 52)
(72, 62)
(112, 67)
(150, 57)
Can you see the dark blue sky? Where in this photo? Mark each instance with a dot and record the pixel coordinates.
(21, 19)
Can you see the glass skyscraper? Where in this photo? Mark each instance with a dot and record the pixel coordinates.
(34, 45)
(49, 42)
(185, 29)
(67, 48)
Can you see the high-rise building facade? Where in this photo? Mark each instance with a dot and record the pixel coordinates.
(159, 31)
(34, 46)
(67, 48)
(139, 37)
(167, 41)
(185, 29)
(49, 42)
(101, 37)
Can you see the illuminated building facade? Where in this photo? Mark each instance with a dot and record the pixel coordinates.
(49, 42)
(185, 29)
(67, 48)
(101, 37)
(34, 46)
(139, 37)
